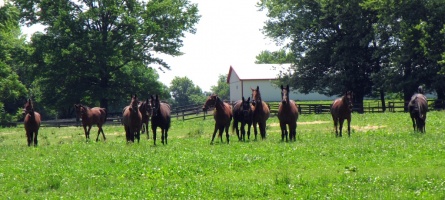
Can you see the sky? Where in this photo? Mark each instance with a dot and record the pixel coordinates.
(228, 33)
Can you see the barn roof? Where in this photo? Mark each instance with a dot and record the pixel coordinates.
(257, 71)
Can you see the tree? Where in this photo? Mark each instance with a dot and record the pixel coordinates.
(184, 92)
(98, 50)
(276, 57)
(222, 88)
(332, 44)
(12, 91)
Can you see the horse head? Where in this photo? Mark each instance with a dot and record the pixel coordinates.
(134, 104)
(348, 99)
(155, 104)
(28, 108)
(145, 107)
(284, 94)
(245, 105)
(210, 102)
(256, 96)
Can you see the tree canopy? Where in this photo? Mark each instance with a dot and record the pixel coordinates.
(361, 45)
(99, 51)
(222, 88)
(184, 92)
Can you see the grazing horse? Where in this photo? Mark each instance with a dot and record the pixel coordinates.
(91, 116)
(242, 112)
(160, 118)
(222, 115)
(417, 107)
(132, 120)
(341, 109)
(32, 122)
(287, 115)
(261, 113)
(146, 111)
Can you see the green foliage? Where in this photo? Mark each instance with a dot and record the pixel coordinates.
(222, 88)
(98, 52)
(366, 46)
(383, 159)
(184, 92)
(11, 44)
(276, 57)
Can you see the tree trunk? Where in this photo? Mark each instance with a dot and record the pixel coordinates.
(406, 98)
(358, 102)
(382, 99)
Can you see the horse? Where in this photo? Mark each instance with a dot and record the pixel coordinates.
(132, 120)
(222, 115)
(261, 113)
(242, 112)
(341, 109)
(91, 116)
(146, 111)
(287, 115)
(32, 122)
(160, 118)
(417, 107)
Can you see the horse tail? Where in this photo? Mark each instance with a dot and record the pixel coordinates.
(106, 114)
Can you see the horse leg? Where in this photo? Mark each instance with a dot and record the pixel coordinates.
(262, 126)
(103, 134)
(86, 132)
(220, 133)
(283, 131)
(153, 129)
(349, 127)
(243, 132)
(336, 126)
(341, 126)
(29, 137)
(227, 133)
(248, 130)
(138, 134)
(255, 129)
(146, 128)
(98, 134)
(166, 135)
(35, 137)
(235, 124)
(414, 122)
(214, 133)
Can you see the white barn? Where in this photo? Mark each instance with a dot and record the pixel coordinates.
(242, 78)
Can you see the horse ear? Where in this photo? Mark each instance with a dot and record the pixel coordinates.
(248, 99)
(287, 87)
(257, 88)
(243, 98)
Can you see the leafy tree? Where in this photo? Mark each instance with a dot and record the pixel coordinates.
(222, 88)
(332, 42)
(276, 57)
(12, 91)
(184, 92)
(97, 51)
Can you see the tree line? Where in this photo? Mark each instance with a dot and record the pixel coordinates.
(371, 47)
(93, 52)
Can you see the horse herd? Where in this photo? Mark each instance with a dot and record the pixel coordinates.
(251, 111)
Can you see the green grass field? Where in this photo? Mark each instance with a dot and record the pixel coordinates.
(383, 159)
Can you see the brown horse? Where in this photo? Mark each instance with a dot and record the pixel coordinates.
(261, 113)
(341, 109)
(160, 118)
(417, 107)
(132, 120)
(146, 111)
(32, 122)
(242, 112)
(287, 115)
(91, 116)
(222, 115)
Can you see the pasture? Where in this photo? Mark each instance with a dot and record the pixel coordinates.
(383, 159)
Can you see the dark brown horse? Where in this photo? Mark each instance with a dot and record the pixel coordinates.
(341, 109)
(417, 107)
(261, 113)
(32, 122)
(160, 118)
(91, 116)
(242, 112)
(132, 120)
(222, 115)
(287, 115)
(146, 111)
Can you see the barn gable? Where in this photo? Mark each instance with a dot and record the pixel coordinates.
(242, 78)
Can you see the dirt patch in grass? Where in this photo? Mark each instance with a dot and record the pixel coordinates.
(366, 128)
